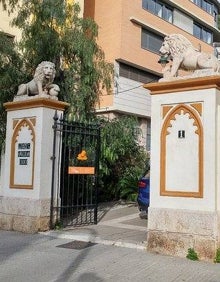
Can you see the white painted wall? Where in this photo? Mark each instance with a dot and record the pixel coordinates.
(211, 171)
(182, 152)
(136, 100)
(43, 152)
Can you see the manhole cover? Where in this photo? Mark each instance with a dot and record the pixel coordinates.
(77, 245)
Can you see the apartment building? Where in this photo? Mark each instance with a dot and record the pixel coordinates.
(131, 33)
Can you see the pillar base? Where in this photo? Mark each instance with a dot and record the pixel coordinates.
(24, 215)
(173, 232)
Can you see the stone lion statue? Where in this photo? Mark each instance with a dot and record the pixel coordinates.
(184, 56)
(42, 83)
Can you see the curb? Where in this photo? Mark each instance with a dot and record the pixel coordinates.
(94, 239)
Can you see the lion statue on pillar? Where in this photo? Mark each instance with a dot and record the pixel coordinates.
(42, 82)
(185, 57)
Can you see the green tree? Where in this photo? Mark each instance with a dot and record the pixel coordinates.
(52, 30)
(123, 160)
(10, 75)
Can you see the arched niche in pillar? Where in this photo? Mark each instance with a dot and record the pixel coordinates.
(22, 154)
(181, 163)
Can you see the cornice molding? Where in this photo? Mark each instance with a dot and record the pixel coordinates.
(184, 85)
(36, 103)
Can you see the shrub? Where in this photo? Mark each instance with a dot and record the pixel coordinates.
(217, 256)
(192, 254)
(122, 159)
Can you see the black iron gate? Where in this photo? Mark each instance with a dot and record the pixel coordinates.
(75, 164)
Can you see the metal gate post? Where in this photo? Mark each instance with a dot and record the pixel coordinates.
(97, 176)
(53, 158)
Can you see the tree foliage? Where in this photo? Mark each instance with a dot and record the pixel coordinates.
(52, 30)
(123, 160)
(10, 75)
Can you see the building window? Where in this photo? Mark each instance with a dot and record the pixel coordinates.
(215, 15)
(150, 41)
(159, 8)
(198, 2)
(207, 6)
(136, 74)
(8, 36)
(202, 33)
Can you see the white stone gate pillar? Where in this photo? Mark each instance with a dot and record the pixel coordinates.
(184, 207)
(26, 188)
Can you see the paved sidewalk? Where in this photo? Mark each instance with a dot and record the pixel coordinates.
(39, 258)
(118, 224)
(120, 255)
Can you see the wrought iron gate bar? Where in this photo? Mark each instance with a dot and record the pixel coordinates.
(75, 202)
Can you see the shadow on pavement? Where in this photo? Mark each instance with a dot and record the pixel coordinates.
(73, 266)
